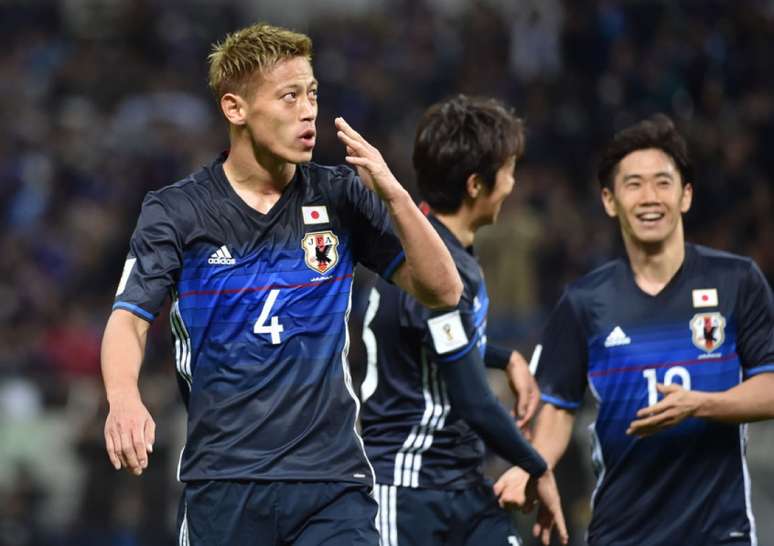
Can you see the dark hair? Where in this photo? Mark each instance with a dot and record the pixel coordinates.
(658, 131)
(459, 137)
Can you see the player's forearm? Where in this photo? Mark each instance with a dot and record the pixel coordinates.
(123, 347)
(430, 271)
(751, 400)
(473, 400)
(553, 429)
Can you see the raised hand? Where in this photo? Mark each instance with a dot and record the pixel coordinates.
(370, 164)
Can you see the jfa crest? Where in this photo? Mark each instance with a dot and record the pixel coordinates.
(320, 250)
(708, 331)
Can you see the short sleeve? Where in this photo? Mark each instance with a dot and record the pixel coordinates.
(449, 335)
(153, 263)
(563, 360)
(755, 335)
(375, 244)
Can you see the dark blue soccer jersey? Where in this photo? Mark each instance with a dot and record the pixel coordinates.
(259, 311)
(711, 327)
(413, 436)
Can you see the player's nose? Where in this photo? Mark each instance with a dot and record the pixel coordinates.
(308, 110)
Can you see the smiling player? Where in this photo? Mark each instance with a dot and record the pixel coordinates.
(676, 344)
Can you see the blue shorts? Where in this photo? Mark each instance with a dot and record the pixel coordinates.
(435, 517)
(246, 513)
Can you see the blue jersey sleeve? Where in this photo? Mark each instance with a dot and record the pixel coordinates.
(449, 335)
(153, 262)
(375, 244)
(472, 398)
(755, 338)
(563, 363)
(497, 357)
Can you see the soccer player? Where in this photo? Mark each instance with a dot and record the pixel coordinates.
(676, 344)
(257, 252)
(427, 404)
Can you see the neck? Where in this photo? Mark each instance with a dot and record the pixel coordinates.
(459, 224)
(255, 170)
(654, 265)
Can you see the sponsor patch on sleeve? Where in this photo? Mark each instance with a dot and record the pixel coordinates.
(128, 266)
(447, 332)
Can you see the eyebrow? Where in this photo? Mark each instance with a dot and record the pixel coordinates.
(301, 84)
(655, 175)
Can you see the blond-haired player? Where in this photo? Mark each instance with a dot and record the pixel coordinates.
(257, 252)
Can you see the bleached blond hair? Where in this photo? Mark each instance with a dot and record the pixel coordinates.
(252, 50)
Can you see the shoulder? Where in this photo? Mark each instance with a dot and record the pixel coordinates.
(327, 175)
(181, 200)
(193, 186)
(338, 184)
(596, 282)
(719, 260)
(469, 270)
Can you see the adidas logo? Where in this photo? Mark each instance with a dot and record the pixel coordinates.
(617, 337)
(221, 257)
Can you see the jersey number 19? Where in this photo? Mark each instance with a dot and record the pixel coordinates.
(669, 378)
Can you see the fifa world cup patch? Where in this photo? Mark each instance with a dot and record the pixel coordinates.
(447, 332)
(708, 331)
(320, 250)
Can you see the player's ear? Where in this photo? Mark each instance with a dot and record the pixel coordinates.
(234, 108)
(608, 201)
(473, 185)
(687, 198)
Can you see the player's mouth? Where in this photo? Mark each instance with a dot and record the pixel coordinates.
(649, 218)
(308, 138)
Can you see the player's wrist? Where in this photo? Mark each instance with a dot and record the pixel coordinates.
(123, 396)
(514, 362)
(705, 403)
(395, 196)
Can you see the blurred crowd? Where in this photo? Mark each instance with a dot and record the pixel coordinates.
(104, 100)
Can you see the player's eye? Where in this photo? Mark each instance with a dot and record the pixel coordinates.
(313, 94)
(290, 96)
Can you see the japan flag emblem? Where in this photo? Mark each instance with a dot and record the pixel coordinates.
(315, 215)
(320, 250)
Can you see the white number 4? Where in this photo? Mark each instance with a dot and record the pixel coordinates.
(274, 327)
(669, 378)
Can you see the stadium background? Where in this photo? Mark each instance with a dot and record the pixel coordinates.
(103, 100)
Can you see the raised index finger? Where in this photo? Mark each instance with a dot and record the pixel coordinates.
(343, 126)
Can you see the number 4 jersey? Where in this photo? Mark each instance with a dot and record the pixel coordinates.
(259, 318)
(710, 328)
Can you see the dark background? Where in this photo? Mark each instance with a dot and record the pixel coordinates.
(103, 100)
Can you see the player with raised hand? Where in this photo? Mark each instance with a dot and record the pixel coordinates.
(427, 404)
(675, 341)
(257, 252)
